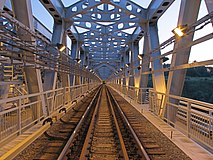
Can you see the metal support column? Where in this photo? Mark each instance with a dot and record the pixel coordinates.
(122, 68)
(131, 66)
(209, 5)
(134, 63)
(144, 78)
(126, 60)
(65, 77)
(188, 14)
(2, 2)
(82, 58)
(50, 77)
(23, 12)
(157, 77)
(75, 55)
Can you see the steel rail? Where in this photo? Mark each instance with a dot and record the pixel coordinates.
(84, 150)
(67, 146)
(142, 149)
(124, 151)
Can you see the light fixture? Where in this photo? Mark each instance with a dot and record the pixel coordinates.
(164, 59)
(139, 67)
(140, 56)
(121, 69)
(78, 60)
(127, 65)
(60, 47)
(179, 31)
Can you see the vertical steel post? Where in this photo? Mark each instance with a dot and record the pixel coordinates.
(188, 118)
(188, 14)
(2, 2)
(144, 78)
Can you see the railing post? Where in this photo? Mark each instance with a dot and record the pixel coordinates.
(19, 115)
(71, 93)
(64, 96)
(150, 100)
(81, 89)
(48, 103)
(39, 110)
(54, 101)
(188, 118)
(210, 124)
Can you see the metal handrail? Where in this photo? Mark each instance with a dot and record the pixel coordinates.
(194, 118)
(21, 116)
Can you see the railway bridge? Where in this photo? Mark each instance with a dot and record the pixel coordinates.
(106, 79)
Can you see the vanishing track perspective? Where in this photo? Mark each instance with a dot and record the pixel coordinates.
(103, 127)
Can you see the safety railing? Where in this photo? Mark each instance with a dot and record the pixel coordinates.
(139, 95)
(22, 115)
(192, 117)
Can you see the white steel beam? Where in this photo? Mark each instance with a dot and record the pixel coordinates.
(80, 7)
(50, 77)
(58, 32)
(2, 2)
(157, 8)
(23, 13)
(157, 78)
(209, 5)
(188, 15)
(55, 8)
(145, 68)
(104, 64)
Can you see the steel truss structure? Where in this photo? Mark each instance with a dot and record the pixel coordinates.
(105, 37)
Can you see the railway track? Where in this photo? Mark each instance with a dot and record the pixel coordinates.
(102, 140)
(51, 143)
(107, 129)
(57, 138)
(108, 136)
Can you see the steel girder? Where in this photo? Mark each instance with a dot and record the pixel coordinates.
(104, 64)
(157, 8)
(2, 3)
(105, 26)
(104, 70)
(55, 8)
(188, 15)
(209, 5)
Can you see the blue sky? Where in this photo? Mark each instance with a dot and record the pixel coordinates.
(166, 24)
